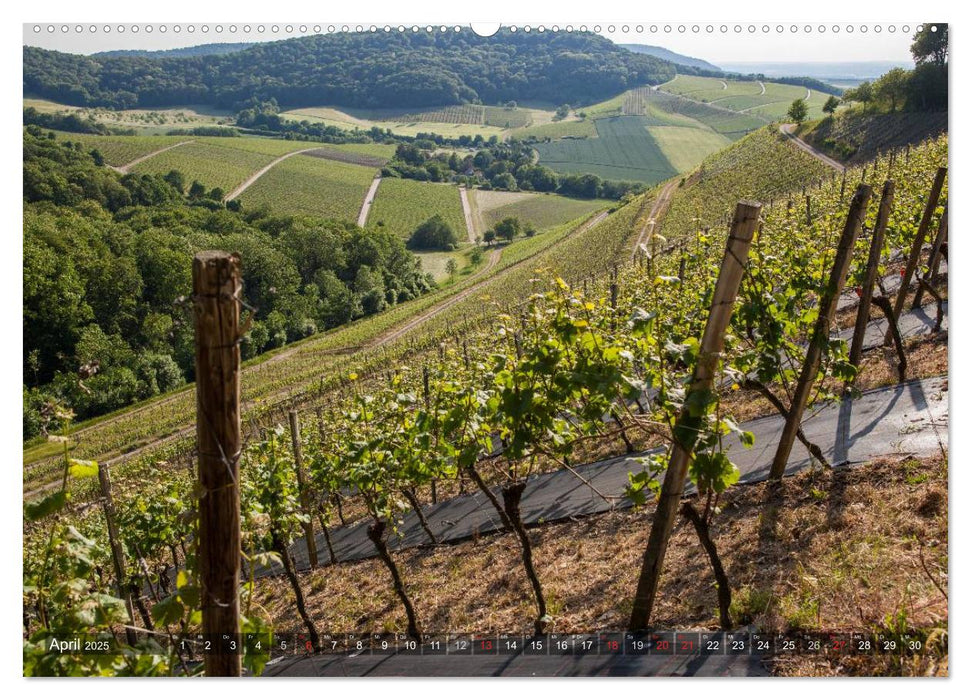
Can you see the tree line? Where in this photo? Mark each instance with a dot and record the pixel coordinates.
(507, 165)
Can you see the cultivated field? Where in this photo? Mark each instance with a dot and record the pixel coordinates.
(685, 147)
(215, 164)
(401, 205)
(623, 150)
(315, 186)
(541, 210)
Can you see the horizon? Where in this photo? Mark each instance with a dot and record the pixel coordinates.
(729, 44)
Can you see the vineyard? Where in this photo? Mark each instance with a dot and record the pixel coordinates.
(161, 426)
(402, 205)
(569, 359)
(120, 150)
(213, 164)
(312, 185)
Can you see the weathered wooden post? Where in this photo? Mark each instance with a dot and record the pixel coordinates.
(915, 249)
(216, 287)
(934, 259)
(306, 502)
(872, 269)
(820, 336)
(712, 343)
(117, 553)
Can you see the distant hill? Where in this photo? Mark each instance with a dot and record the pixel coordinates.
(201, 50)
(829, 71)
(394, 70)
(666, 55)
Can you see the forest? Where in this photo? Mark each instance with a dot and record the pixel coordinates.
(398, 69)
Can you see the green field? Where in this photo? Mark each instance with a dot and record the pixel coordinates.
(542, 210)
(436, 263)
(747, 95)
(685, 147)
(398, 123)
(401, 205)
(576, 128)
(623, 150)
(666, 109)
(213, 164)
(314, 186)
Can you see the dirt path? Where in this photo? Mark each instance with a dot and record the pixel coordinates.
(368, 201)
(809, 93)
(724, 84)
(787, 130)
(467, 210)
(658, 209)
(123, 169)
(762, 85)
(260, 173)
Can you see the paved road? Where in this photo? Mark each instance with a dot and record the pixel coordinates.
(519, 665)
(909, 418)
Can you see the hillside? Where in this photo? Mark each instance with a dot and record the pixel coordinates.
(854, 137)
(668, 55)
(400, 70)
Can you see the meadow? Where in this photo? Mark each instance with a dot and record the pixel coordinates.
(144, 121)
(541, 210)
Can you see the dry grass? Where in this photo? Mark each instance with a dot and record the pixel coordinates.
(843, 550)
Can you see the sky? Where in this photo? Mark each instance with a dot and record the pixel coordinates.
(727, 42)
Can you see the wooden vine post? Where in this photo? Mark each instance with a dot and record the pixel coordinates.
(216, 288)
(117, 553)
(306, 501)
(712, 343)
(915, 249)
(934, 259)
(820, 336)
(872, 269)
